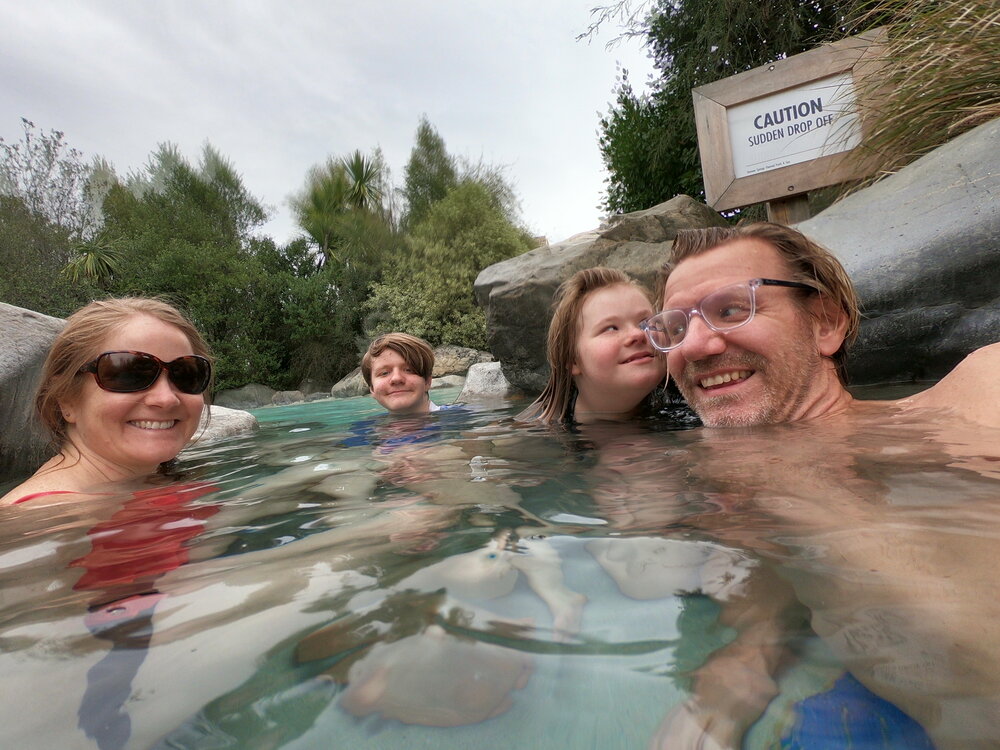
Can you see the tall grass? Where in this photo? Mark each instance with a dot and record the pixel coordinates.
(938, 77)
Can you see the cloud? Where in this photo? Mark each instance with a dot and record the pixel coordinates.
(279, 87)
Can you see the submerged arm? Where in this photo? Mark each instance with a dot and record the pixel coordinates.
(732, 688)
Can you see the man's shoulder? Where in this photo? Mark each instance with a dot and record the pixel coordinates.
(972, 389)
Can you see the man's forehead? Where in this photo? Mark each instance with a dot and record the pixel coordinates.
(733, 262)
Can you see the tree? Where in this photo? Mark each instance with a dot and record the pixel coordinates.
(51, 180)
(47, 206)
(96, 261)
(33, 252)
(694, 42)
(429, 174)
(429, 293)
(334, 194)
(187, 233)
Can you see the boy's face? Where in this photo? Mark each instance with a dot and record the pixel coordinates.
(397, 386)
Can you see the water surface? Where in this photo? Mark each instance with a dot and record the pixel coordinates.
(343, 579)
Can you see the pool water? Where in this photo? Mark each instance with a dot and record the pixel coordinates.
(343, 579)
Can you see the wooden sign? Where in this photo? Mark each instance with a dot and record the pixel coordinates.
(784, 128)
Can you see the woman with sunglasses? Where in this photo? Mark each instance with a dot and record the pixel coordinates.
(122, 393)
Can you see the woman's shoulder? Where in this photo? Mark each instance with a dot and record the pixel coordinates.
(40, 484)
(28, 491)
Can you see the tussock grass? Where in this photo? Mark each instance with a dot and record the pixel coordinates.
(938, 77)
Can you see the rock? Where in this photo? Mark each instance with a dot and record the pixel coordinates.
(351, 385)
(317, 397)
(456, 360)
(223, 423)
(310, 386)
(27, 337)
(485, 379)
(923, 249)
(517, 293)
(448, 381)
(251, 396)
(283, 398)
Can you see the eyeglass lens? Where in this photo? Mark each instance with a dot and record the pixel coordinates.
(729, 307)
(128, 372)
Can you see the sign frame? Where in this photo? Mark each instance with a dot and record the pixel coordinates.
(858, 55)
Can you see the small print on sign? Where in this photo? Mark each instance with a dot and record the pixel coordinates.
(794, 125)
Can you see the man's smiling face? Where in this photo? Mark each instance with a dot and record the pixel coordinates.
(770, 370)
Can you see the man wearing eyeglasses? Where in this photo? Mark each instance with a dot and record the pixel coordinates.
(756, 322)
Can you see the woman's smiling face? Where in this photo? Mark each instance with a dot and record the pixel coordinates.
(128, 435)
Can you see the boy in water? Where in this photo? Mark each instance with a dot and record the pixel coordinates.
(397, 370)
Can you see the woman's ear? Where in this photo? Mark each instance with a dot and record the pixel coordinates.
(67, 411)
(829, 325)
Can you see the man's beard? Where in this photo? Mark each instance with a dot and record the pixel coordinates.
(785, 386)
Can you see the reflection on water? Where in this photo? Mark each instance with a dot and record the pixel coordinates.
(456, 581)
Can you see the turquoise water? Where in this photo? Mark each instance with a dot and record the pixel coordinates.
(343, 579)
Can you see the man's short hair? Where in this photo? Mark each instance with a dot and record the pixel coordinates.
(811, 263)
(416, 352)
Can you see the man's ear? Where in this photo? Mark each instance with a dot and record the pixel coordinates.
(427, 384)
(829, 325)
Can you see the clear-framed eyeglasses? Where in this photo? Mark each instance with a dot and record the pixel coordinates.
(723, 310)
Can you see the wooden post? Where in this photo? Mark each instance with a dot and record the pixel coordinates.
(788, 211)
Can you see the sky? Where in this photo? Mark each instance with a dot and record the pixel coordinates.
(278, 87)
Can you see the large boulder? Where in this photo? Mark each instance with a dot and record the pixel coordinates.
(456, 360)
(517, 293)
(220, 422)
(283, 398)
(250, 396)
(923, 249)
(485, 379)
(27, 338)
(352, 384)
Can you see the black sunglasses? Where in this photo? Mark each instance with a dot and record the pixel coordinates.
(129, 372)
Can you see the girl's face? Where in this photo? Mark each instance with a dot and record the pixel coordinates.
(126, 435)
(615, 367)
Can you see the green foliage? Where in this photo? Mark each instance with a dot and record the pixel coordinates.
(33, 252)
(937, 78)
(94, 261)
(274, 315)
(430, 292)
(333, 191)
(429, 174)
(185, 233)
(694, 42)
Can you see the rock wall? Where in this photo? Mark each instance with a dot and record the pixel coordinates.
(923, 249)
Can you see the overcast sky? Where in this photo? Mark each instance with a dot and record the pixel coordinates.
(279, 86)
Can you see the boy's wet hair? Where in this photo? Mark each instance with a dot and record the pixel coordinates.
(416, 352)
